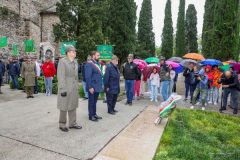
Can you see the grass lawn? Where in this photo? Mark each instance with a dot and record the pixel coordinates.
(198, 135)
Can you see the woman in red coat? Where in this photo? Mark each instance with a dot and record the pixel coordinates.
(49, 71)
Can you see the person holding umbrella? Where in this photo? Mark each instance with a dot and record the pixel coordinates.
(216, 73)
(188, 74)
(164, 78)
(172, 76)
(202, 86)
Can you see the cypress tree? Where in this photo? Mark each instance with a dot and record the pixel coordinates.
(180, 35)
(146, 37)
(208, 30)
(167, 34)
(225, 29)
(122, 23)
(191, 30)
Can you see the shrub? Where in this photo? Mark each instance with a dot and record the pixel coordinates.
(55, 88)
(81, 91)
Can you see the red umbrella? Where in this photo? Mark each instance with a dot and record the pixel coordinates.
(147, 71)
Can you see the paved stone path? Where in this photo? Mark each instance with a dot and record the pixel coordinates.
(138, 141)
(29, 128)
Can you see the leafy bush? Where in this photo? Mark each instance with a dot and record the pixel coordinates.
(20, 84)
(81, 91)
(55, 88)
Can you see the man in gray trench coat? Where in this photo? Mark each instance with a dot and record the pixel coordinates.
(68, 96)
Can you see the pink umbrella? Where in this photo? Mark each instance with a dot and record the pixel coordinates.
(236, 66)
(173, 64)
(141, 63)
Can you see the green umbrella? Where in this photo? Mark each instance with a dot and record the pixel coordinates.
(152, 60)
(225, 68)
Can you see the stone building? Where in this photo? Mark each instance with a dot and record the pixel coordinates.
(28, 19)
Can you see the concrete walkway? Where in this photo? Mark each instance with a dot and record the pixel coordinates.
(138, 141)
(29, 128)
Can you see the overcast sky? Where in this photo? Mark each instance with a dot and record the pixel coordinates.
(158, 7)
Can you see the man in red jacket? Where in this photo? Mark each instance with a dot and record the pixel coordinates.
(49, 71)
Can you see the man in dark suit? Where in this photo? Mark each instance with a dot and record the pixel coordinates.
(93, 76)
(112, 84)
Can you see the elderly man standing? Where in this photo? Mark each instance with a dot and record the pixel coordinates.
(68, 97)
(28, 73)
(93, 76)
(112, 84)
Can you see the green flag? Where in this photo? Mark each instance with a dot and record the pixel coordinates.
(15, 49)
(3, 41)
(29, 45)
(65, 44)
(105, 51)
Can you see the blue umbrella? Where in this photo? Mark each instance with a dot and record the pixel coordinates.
(211, 62)
(179, 69)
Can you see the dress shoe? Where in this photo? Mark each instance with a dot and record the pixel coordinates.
(130, 104)
(93, 119)
(28, 97)
(31, 96)
(126, 103)
(115, 111)
(76, 126)
(97, 117)
(64, 129)
(112, 113)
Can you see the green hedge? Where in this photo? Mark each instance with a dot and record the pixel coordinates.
(41, 86)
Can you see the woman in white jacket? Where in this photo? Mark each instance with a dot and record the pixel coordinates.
(154, 78)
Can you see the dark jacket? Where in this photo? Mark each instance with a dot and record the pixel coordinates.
(188, 75)
(232, 81)
(112, 79)
(2, 69)
(83, 71)
(164, 73)
(93, 76)
(14, 69)
(130, 71)
(139, 76)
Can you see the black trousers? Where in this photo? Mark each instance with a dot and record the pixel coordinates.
(92, 104)
(111, 101)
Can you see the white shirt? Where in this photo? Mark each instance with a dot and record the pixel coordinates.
(38, 68)
(172, 74)
(155, 79)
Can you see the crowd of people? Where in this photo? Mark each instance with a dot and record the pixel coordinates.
(202, 83)
(30, 69)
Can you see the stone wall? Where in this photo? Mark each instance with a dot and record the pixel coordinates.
(48, 20)
(35, 34)
(24, 21)
(13, 5)
(14, 27)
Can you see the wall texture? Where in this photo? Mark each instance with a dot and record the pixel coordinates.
(27, 19)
